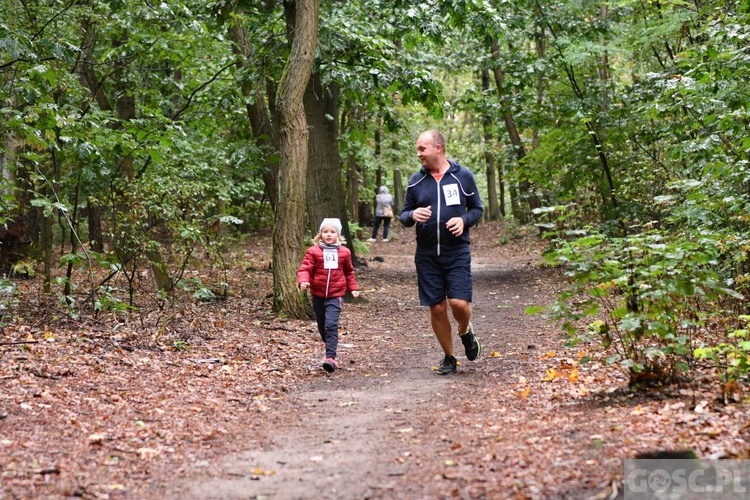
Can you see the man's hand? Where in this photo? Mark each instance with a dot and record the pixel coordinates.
(422, 214)
(455, 226)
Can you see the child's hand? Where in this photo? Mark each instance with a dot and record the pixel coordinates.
(355, 293)
(304, 285)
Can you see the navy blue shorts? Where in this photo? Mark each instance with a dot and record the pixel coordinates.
(441, 277)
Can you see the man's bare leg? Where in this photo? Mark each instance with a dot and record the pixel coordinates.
(441, 325)
(461, 310)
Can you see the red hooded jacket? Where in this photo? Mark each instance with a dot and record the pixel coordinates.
(328, 283)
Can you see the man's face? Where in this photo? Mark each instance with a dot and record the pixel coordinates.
(427, 152)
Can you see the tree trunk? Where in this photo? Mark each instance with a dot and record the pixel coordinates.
(325, 191)
(510, 123)
(45, 247)
(489, 157)
(85, 69)
(29, 215)
(603, 74)
(14, 225)
(46, 241)
(514, 202)
(352, 177)
(288, 231)
(265, 131)
(86, 64)
(501, 194)
(379, 167)
(398, 193)
(8, 158)
(326, 196)
(398, 186)
(521, 216)
(94, 215)
(540, 42)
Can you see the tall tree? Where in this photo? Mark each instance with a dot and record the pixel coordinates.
(325, 191)
(288, 231)
(494, 210)
(512, 130)
(258, 89)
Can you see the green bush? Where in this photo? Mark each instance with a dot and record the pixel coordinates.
(730, 357)
(651, 296)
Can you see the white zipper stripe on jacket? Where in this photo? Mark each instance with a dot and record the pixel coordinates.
(420, 180)
(328, 282)
(461, 186)
(437, 226)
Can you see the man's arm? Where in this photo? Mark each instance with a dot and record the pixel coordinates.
(407, 212)
(474, 205)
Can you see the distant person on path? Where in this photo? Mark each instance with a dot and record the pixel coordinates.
(443, 201)
(383, 213)
(327, 271)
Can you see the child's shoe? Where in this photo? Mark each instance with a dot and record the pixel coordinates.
(330, 365)
(371, 240)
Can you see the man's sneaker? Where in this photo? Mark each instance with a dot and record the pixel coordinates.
(448, 365)
(330, 365)
(472, 347)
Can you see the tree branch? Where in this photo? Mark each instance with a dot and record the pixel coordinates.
(65, 9)
(202, 86)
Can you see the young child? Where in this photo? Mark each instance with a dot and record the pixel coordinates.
(328, 273)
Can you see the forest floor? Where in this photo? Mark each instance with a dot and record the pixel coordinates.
(222, 400)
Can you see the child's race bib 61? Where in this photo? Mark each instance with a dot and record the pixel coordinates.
(330, 258)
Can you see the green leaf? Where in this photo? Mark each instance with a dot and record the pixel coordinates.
(531, 310)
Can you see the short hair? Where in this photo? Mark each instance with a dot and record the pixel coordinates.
(437, 137)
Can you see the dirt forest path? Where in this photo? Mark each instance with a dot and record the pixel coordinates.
(224, 400)
(387, 426)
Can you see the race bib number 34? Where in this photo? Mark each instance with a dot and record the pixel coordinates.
(450, 191)
(330, 258)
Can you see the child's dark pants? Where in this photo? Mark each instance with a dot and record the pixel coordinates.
(327, 312)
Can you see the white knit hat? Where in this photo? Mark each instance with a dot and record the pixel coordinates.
(332, 222)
